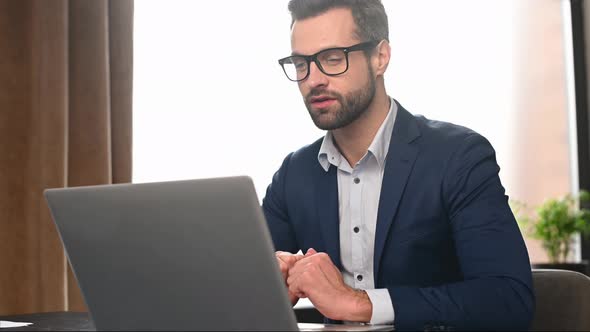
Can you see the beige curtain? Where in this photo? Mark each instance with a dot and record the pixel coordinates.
(65, 120)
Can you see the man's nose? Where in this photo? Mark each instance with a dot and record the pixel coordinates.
(316, 77)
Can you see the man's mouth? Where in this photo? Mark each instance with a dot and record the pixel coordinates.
(322, 101)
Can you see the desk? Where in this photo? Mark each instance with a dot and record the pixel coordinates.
(53, 321)
(80, 321)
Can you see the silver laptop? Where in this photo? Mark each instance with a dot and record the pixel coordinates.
(185, 255)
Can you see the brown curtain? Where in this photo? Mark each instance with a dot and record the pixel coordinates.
(65, 120)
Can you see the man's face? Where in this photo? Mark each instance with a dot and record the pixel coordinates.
(333, 101)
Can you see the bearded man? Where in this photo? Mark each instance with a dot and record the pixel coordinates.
(402, 220)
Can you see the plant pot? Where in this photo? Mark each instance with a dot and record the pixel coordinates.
(581, 267)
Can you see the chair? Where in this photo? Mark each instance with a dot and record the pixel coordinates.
(562, 301)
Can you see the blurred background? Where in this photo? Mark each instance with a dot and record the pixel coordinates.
(211, 100)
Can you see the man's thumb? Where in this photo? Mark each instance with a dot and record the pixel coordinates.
(310, 251)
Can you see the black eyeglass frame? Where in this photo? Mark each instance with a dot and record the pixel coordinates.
(314, 57)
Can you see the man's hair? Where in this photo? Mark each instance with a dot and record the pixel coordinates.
(369, 15)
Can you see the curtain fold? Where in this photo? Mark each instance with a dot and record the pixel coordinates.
(65, 120)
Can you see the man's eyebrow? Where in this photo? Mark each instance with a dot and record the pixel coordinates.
(294, 53)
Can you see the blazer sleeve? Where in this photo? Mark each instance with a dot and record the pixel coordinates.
(496, 292)
(275, 210)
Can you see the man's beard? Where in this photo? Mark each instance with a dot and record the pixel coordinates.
(351, 107)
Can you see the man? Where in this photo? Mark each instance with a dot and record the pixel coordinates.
(403, 220)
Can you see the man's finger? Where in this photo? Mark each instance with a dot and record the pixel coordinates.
(284, 268)
(295, 289)
(291, 277)
(289, 258)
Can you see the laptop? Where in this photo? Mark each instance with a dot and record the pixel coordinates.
(182, 255)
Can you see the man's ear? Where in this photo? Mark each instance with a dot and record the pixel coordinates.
(381, 57)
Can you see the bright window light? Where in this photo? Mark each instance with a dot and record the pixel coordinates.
(211, 100)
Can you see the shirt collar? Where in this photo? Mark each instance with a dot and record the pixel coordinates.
(380, 145)
(329, 154)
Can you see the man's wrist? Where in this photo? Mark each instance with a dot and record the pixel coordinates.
(360, 307)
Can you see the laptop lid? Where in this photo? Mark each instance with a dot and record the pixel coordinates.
(185, 255)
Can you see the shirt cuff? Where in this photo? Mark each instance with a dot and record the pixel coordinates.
(382, 307)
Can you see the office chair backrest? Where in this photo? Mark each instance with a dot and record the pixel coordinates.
(562, 301)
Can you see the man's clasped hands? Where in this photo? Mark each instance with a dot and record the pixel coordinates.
(313, 275)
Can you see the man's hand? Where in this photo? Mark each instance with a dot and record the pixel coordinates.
(286, 261)
(315, 276)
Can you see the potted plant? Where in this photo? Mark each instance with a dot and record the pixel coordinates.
(554, 223)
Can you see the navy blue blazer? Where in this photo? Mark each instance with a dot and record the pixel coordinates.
(447, 245)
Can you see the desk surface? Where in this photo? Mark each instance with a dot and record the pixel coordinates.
(80, 321)
(58, 321)
(53, 321)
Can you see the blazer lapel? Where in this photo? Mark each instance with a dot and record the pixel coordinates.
(400, 161)
(327, 206)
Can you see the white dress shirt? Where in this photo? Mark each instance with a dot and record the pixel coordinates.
(359, 189)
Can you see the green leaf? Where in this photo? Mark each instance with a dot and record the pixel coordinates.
(554, 222)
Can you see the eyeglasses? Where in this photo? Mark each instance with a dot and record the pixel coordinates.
(331, 61)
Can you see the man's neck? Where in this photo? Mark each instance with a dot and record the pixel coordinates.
(354, 140)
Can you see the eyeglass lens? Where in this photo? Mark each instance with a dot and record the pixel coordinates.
(332, 62)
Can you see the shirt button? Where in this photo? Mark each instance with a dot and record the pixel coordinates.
(356, 229)
(359, 277)
(357, 180)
